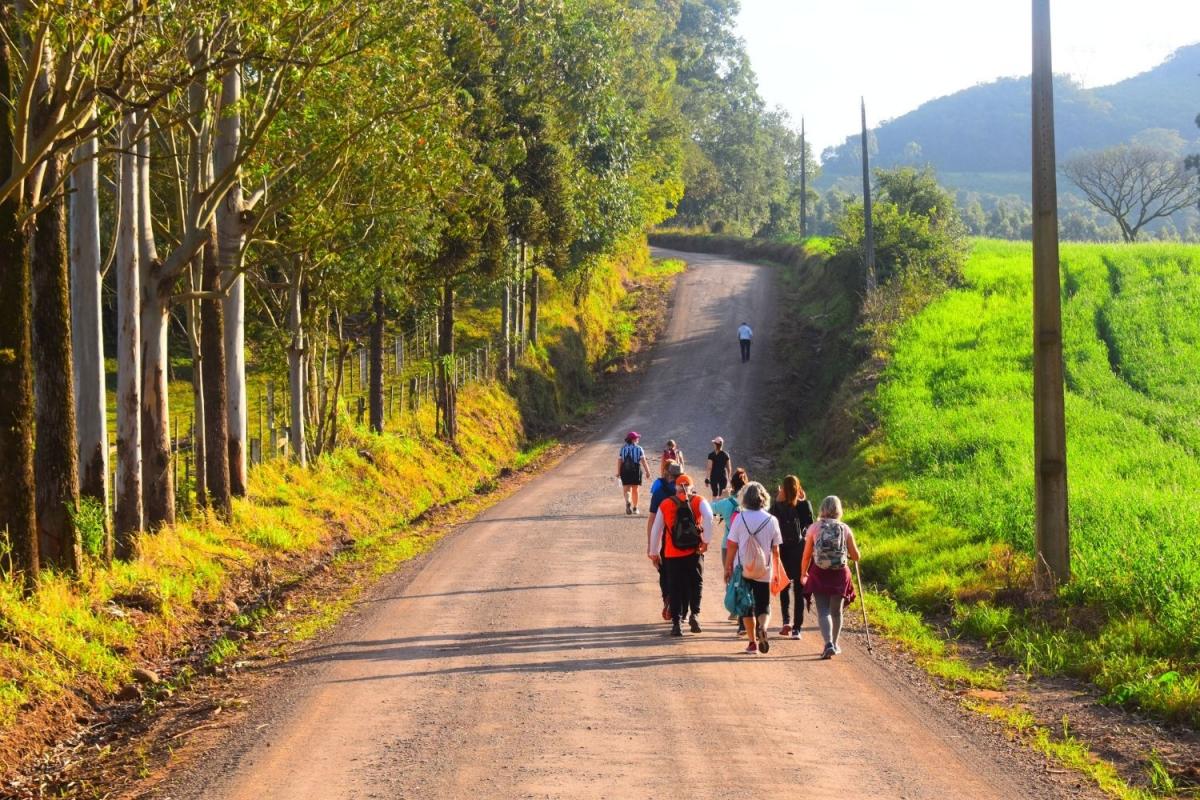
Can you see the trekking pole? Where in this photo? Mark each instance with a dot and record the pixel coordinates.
(862, 599)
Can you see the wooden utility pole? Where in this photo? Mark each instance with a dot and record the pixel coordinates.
(868, 222)
(803, 183)
(1049, 423)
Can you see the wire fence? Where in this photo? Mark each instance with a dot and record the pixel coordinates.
(410, 365)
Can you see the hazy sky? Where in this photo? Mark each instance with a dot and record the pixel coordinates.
(807, 53)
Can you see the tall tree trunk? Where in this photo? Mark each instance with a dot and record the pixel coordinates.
(340, 373)
(868, 219)
(505, 330)
(199, 164)
(296, 371)
(56, 471)
(87, 334)
(158, 485)
(376, 368)
(803, 182)
(212, 348)
(127, 519)
(231, 234)
(199, 461)
(447, 395)
(534, 286)
(519, 311)
(16, 375)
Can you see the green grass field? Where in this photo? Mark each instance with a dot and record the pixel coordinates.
(949, 525)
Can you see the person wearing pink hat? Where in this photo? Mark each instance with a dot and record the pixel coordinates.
(631, 466)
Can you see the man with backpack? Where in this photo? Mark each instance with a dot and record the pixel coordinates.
(660, 490)
(682, 530)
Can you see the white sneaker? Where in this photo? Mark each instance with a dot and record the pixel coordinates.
(837, 651)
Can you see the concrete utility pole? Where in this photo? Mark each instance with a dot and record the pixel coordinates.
(803, 183)
(868, 222)
(1049, 423)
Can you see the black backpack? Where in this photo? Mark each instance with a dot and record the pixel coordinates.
(685, 533)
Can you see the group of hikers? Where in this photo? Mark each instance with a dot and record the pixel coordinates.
(770, 547)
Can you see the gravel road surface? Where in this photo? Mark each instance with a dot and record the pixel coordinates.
(525, 656)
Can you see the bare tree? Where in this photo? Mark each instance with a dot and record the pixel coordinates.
(1133, 184)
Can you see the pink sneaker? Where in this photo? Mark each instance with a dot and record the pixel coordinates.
(752, 648)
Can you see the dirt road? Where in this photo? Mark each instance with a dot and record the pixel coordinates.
(525, 657)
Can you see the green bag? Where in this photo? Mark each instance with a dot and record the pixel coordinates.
(739, 600)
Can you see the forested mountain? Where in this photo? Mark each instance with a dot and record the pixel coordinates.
(986, 129)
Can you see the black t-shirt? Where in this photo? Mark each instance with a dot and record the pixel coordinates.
(793, 520)
(720, 462)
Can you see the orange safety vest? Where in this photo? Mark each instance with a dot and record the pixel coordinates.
(669, 508)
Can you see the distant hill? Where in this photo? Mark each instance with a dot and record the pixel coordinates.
(980, 134)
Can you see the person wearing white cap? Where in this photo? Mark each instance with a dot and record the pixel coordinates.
(720, 468)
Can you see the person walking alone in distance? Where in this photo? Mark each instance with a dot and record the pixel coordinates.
(745, 336)
(631, 466)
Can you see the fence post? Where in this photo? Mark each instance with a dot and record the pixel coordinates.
(270, 419)
(260, 425)
(413, 398)
(187, 464)
(175, 462)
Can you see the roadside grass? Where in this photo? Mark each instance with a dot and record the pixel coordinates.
(948, 527)
(75, 641)
(934, 459)
(1063, 748)
(91, 632)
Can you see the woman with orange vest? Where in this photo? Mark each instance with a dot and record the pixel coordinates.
(682, 530)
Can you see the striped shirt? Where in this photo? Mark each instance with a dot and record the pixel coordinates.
(632, 454)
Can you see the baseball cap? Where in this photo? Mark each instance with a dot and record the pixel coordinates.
(632, 435)
(718, 440)
(683, 479)
(674, 470)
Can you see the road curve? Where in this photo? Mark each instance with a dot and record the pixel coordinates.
(525, 656)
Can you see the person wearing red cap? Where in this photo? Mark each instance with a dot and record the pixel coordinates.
(631, 466)
(682, 530)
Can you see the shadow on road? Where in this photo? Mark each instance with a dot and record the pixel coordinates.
(569, 649)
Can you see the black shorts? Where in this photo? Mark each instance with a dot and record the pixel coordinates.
(631, 476)
(761, 590)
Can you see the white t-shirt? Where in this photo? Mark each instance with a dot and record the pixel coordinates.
(768, 535)
(744, 332)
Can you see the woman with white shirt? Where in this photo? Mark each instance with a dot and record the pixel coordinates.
(755, 524)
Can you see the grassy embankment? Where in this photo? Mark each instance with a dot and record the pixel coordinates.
(951, 508)
(923, 425)
(74, 642)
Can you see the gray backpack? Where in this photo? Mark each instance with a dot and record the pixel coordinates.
(829, 549)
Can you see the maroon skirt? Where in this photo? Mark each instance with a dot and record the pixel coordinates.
(835, 582)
